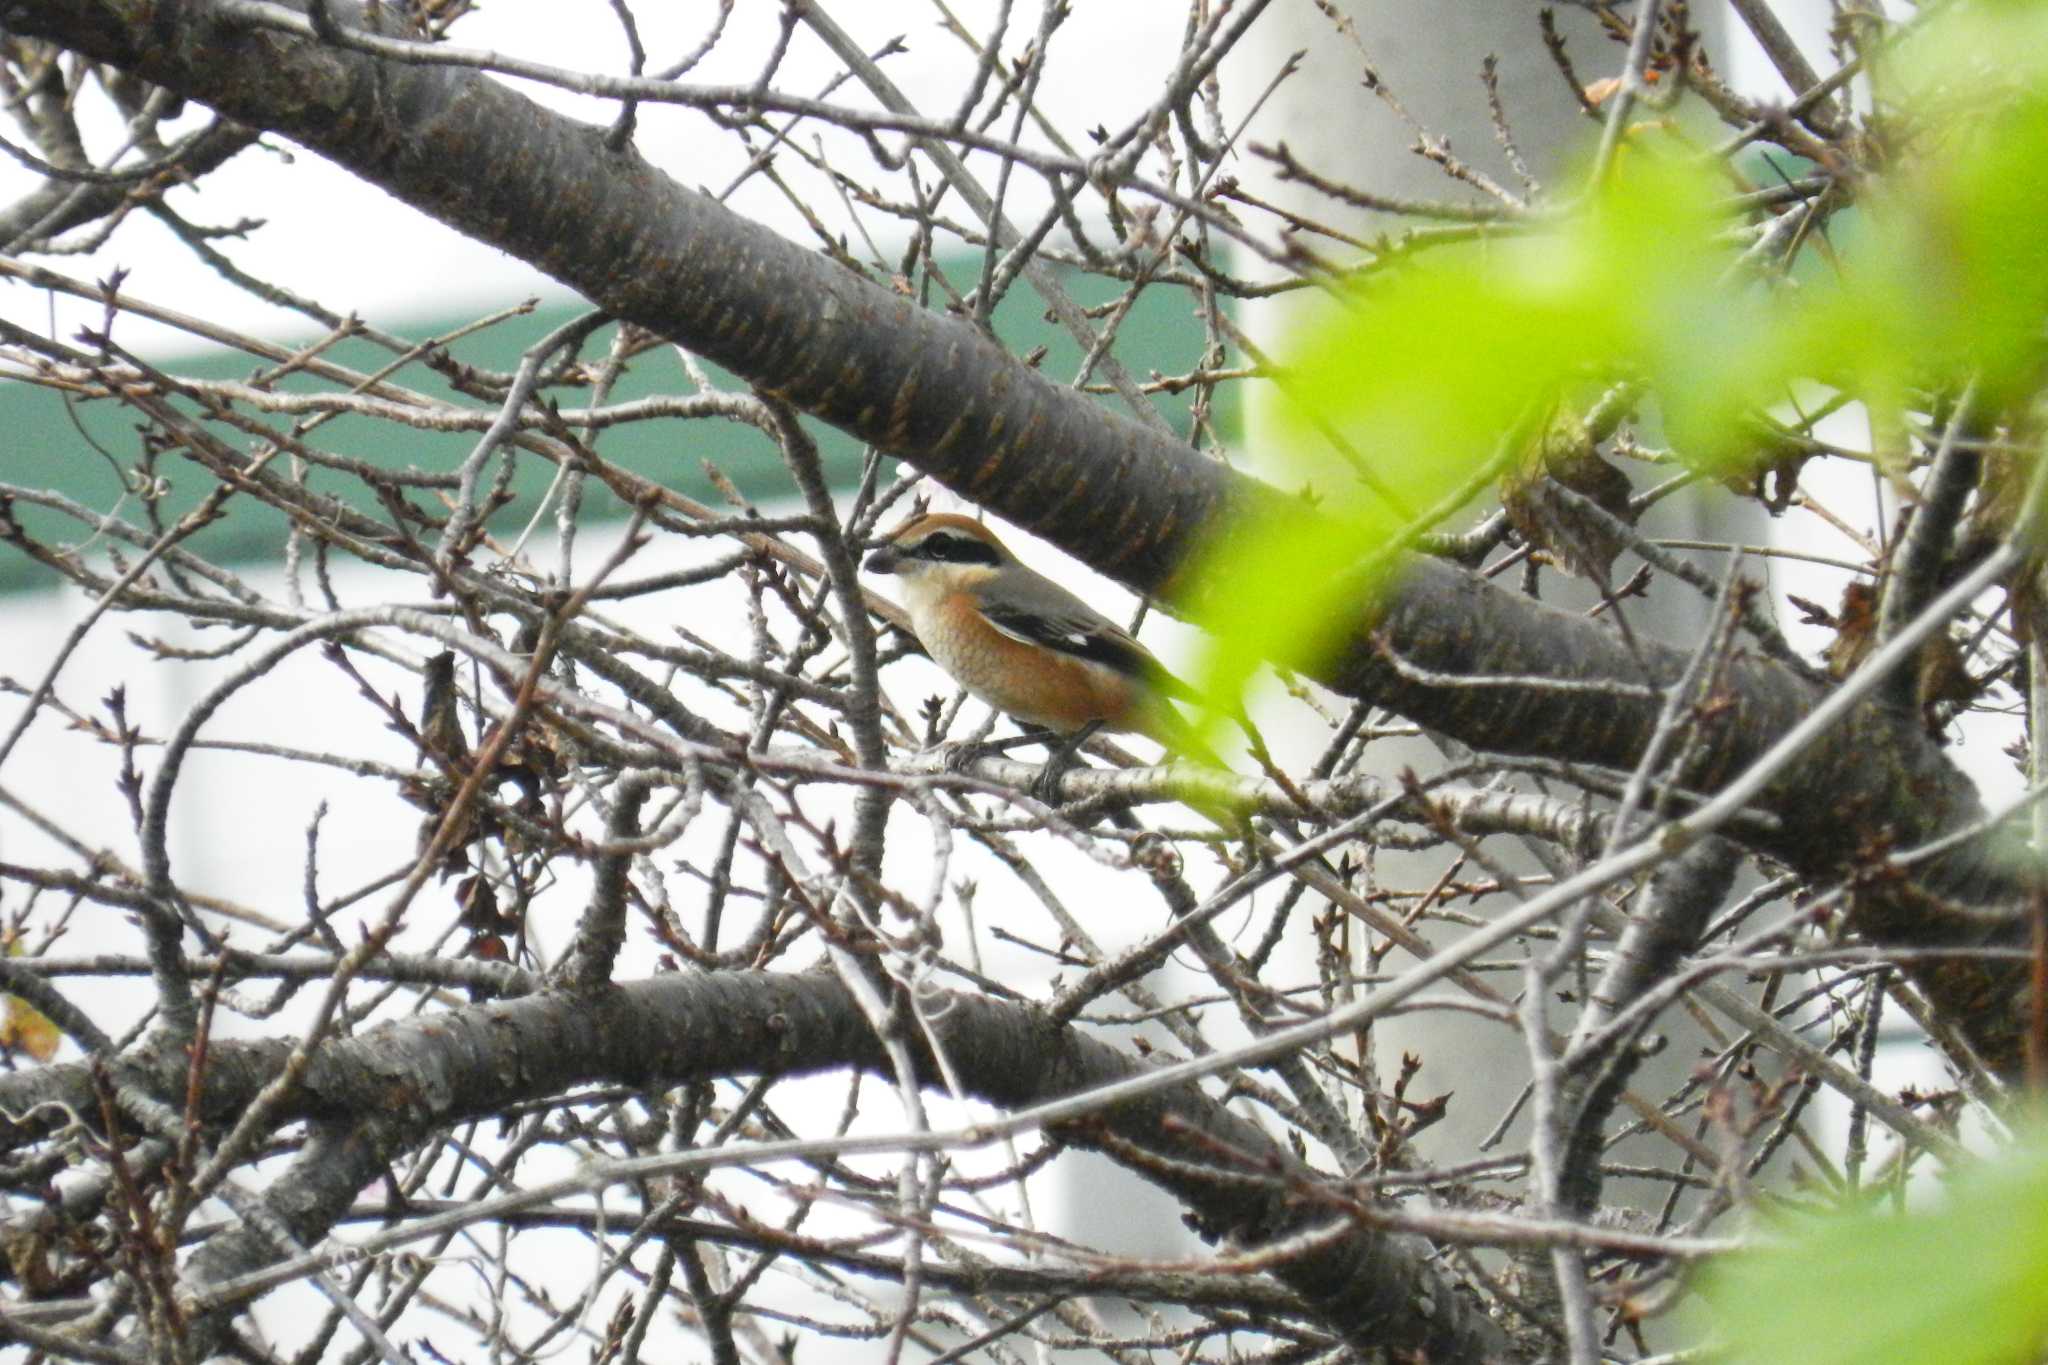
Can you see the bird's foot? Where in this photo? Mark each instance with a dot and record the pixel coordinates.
(1046, 786)
(958, 757)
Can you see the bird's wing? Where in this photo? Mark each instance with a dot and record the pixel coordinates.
(1048, 615)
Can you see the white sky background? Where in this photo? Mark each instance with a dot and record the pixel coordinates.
(241, 825)
(354, 249)
(331, 238)
(349, 246)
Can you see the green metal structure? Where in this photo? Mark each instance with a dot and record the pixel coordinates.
(44, 445)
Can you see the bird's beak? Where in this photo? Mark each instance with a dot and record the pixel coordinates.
(883, 560)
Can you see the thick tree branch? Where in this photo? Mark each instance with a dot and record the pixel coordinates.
(1123, 498)
(423, 1074)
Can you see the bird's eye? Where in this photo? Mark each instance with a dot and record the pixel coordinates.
(949, 548)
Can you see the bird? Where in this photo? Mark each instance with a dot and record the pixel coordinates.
(1028, 647)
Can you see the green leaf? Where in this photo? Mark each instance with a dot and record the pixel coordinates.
(1412, 381)
(1410, 384)
(1961, 1284)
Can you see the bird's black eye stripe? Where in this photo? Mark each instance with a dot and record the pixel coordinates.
(948, 547)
